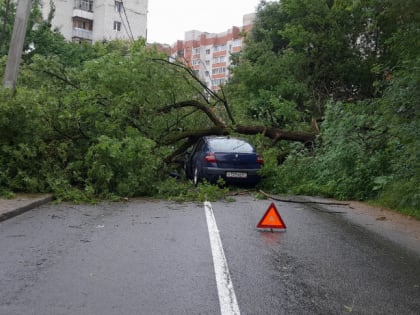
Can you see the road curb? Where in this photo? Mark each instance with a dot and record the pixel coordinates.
(24, 206)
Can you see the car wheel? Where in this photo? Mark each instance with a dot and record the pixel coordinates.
(196, 177)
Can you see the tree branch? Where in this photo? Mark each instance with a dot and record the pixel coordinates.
(194, 77)
(195, 134)
(227, 107)
(196, 104)
(65, 80)
(275, 133)
(305, 202)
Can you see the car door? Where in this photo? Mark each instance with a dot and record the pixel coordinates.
(193, 157)
(197, 155)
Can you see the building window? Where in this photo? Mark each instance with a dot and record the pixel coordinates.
(217, 82)
(207, 51)
(85, 5)
(218, 70)
(82, 24)
(196, 62)
(196, 51)
(219, 59)
(117, 26)
(118, 6)
(237, 42)
(220, 47)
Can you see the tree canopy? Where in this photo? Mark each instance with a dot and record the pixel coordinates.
(352, 67)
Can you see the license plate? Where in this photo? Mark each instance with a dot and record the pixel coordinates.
(236, 175)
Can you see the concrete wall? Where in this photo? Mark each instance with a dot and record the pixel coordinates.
(62, 17)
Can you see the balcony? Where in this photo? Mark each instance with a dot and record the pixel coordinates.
(82, 34)
(82, 14)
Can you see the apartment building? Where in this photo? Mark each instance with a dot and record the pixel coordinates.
(98, 20)
(209, 54)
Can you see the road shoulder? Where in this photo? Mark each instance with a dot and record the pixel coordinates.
(21, 203)
(398, 228)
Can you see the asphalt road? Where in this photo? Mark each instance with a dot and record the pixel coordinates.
(156, 257)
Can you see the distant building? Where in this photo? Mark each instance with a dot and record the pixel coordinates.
(209, 54)
(98, 20)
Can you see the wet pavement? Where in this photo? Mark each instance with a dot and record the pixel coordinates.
(153, 257)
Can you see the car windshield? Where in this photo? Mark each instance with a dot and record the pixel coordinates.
(230, 145)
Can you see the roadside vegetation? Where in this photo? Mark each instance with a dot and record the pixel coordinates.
(327, 90)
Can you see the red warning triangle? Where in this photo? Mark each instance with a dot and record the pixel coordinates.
(272, 219)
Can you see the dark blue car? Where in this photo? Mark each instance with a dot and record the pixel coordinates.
(233, 159)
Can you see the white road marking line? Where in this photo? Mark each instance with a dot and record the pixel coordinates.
(227, 297)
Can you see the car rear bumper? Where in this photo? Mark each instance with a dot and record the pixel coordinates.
(213, 173)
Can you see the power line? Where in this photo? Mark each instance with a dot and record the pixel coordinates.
(128, 22)
(125, 28)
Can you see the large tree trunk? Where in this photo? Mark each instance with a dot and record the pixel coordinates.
(275, 133)
(190, 137)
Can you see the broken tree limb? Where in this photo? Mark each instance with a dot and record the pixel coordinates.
(272, 133)
(196, 104)
(191, 73)
(305, 202)
(227, 107)
(276, 133)
(194, 134)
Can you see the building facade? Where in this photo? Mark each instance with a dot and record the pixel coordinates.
(99, 20)
(209, 54)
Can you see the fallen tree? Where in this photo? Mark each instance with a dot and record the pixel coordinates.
(189, 137)
(216, 125)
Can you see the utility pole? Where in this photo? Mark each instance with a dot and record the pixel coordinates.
(16, 44)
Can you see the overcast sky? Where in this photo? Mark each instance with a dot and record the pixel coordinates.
(167, 20)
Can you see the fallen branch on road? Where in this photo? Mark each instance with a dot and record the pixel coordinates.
(305, 202)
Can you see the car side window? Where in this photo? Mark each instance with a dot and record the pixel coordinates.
(194, 149)
(199, 146)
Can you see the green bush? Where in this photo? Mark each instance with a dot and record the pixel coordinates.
(402, 195)
(125, 167)
(344, 165)
(362, 155)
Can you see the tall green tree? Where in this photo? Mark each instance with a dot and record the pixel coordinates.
(306, 52)
(354, 67)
